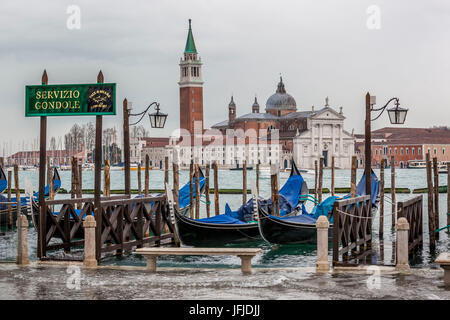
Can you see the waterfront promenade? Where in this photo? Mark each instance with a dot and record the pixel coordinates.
(37, 282)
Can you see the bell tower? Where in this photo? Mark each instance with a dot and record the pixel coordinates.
(191, 86)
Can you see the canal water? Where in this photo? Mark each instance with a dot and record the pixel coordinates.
(272, 256)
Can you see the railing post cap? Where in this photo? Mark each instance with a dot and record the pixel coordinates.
(89, 222)
(402, 224)
(322, 222)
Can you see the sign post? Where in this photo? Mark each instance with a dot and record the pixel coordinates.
(44, 100)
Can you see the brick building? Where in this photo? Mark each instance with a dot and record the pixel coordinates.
(407, 145)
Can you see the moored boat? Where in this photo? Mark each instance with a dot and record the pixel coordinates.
(301, 229)
(238, 226)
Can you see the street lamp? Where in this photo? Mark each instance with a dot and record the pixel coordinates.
(157, 120)
(397, 115)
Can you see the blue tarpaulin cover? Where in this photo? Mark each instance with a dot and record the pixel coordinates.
(3, 181)
(325, 207)
(183, 195)
(289, 196)
(221, 219)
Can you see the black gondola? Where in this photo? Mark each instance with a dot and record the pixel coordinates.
(301, 229)
(210, 232)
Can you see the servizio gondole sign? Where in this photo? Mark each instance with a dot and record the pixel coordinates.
(70, 100)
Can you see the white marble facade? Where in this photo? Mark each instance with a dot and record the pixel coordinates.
(325, 137)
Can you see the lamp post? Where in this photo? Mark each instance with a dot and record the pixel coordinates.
(157, 120)
(397, 115)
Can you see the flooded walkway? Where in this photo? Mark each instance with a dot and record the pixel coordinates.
(72, 282)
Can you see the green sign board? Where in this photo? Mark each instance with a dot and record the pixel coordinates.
(70, 100)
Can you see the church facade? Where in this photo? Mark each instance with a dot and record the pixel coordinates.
(276, 134)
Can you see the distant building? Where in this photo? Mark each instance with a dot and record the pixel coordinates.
(136, 147)
(276, 135)
(57, 157)
(157, 150)
(408, 144)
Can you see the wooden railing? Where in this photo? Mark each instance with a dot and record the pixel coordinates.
(412, 210)
(352, 230)
(125, 223)
(134, 222)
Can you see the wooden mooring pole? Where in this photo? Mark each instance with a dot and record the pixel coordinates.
(79, 187)
(436, 195)
(10, 215)
(166, 170)
(147, 176)
(216, 188)
(257, 177)
(74, 183)
(353, 177)
(332, 175)
(42, 156)
(139, 179)
(107, 179)
(17, 187)
(197, 192)
(191, 190)
(431, 224)
(381, 228)
(176, 183)
(316, 177)
(274, 188)
(208, 203)
(448, 194)
(320, 178)
(126, 145)
(98, 177)
(49, 177)
(394, 204)
(244, 182)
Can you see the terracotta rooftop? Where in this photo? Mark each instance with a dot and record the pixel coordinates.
(440, 135)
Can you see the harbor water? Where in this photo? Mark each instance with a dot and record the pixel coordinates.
(272, 256)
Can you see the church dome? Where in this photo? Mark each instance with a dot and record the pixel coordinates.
(281, 100)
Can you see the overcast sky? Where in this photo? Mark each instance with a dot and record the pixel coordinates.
(321, 48)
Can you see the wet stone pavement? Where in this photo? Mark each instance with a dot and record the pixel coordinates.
(39, 282)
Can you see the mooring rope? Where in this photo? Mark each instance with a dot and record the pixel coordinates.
(352, 215)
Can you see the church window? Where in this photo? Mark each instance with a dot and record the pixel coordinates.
(305, 149)
(336, 148)
(315, 147)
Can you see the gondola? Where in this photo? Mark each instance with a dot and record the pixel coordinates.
(183, 200)
(3, 181)
(235, 227)
(301, 229)
(24, 201)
